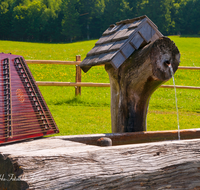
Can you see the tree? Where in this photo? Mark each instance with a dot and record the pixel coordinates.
(159, 12)
(34, 12)
(69, 20)
(19, 19)
(70, 25)
(51, 21)
(188, 17)
(27, 20)
(5, 18)
(115, 11)
(89, 18)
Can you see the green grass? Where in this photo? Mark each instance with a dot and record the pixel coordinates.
(47, 51)
(90, 113)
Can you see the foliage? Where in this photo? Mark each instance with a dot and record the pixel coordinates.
(70, 24)
(51, 21)
(72, 20)
(5, 18)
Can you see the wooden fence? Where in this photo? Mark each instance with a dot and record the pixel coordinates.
(78, 84)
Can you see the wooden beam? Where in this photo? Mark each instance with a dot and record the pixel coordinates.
(78, 63)
(78, 77)
(83, 84)
(90, 84)
(53, 62)
(181, 87)
(136, 137)
(189, 68)
(61, 163)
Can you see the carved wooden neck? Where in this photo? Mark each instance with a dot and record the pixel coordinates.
(134, 82)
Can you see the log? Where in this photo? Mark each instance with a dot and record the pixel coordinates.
(136, 79)
(57, 163)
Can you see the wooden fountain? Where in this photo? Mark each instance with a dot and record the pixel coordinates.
(137, 59)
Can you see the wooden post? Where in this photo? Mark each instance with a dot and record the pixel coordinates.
(134, 82)
(78, 77)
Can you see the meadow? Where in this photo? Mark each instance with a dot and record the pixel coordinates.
(90, 112)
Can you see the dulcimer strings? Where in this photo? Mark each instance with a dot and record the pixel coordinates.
(23, 111)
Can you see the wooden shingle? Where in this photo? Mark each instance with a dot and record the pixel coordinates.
(119, 41)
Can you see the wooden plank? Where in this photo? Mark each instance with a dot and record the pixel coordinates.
(117, 60)
(112, 29)
(130, 32)
(128, 50)
(58, 163)
(93, 50)
(136, 137)
(123, 34)
(117, 35)
(106, 57)
(101, 40)
(181, 87)
(86, 68)
(83, 84)
(155, 37)
(154, 27)
(147, 32)
(129, 21)
(104, 48)
(86, 60)
(78, 62)
(89, 61)
(117, 45)
(135, 24)
(90, 84)
(92, 59)
(53, 62)
(123, 54)
(137, 40)
(189, 68)
(110, 37)
(120, 35)
(106, 39)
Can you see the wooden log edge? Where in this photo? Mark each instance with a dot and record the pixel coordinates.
(59, 163)
(135, 137)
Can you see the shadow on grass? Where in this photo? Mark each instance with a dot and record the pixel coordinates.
(47, 42)
(189, 36)
(77, 101)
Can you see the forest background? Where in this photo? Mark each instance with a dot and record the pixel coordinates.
(72, 20)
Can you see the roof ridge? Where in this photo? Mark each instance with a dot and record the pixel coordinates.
(131, 20)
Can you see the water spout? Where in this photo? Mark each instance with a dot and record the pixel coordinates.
(172, 73)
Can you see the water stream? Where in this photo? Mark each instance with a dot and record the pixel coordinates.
(172, 72)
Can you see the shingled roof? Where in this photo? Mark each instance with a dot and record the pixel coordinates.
(119, 41)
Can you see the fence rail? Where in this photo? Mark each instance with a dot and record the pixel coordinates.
(90, 84)
(78, 84)
(53, 62)
(81, 84)
(78, 63)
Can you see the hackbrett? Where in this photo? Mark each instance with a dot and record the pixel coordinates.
(23, 111)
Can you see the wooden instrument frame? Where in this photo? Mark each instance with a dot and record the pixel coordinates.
(24, 112)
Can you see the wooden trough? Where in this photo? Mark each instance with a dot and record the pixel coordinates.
(76, 162)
